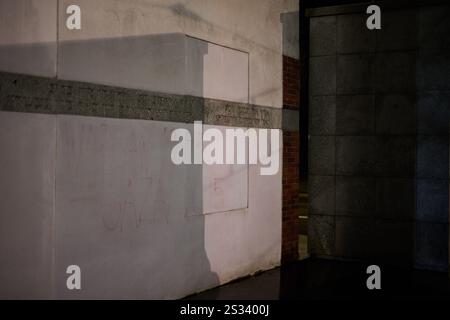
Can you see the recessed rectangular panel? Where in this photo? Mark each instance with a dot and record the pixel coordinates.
(215, 71)
(225, 186)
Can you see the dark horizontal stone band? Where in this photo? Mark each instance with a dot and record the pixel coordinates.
(24, 93)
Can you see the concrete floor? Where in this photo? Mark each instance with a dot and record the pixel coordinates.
(327, 279)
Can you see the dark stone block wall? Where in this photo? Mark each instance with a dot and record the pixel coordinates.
(379, 145)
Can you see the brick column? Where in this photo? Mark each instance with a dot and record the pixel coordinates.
(291, 151)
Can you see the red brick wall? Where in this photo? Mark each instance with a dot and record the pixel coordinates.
(291, 178)
(291, 81)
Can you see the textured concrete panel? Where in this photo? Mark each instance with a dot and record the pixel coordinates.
(355, 196)
(353, 35)
(394, 72)
(321, 235)
(431, 246)
(395, 114)
(291, 120)
(433, 157)
(40, 95)
(228, 113)
(434, 27)
(121, 211)
(390, 123)
(355, 115)
(322, 155)
(433, 71)
(395, 156)
(354, 237)
(255, 29)
(322, 36)
(291, 37)
(322, 115)
(27, 185)
(169, 63)
(354, 74)
(244, 241)
(399, 29)
(433, 113)
(395, 198)
(393, 242)
(385, 241)
(322, 195)
(355, 155)
(125, 216)
(432, 200)
(153, 62)
(28, 36)
(322, 75)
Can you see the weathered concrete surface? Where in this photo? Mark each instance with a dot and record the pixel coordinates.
(251, 26)
(154, 62)
(242, 241)
(291, 36)
(125, 215)
(168, 63)
(105, 195)
(130, 244)
(28, 41)
(27, 184)
(122, 211)
(40, 95)
(28, 36)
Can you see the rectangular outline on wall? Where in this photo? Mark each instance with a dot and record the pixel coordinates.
(243, 209)
(237, 210)
(231, 48)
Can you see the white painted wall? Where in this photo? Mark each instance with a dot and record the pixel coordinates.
(104, 195)
(28, 32)
(28, 36)
(108, 198)
(225, 187)
(27, 184)
(169, 63)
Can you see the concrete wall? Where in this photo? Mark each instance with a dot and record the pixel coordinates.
(29, 38)
(379, 124)
(291, 35)
(28, 33)
(103, 193)
(168, 63)
(27, 185)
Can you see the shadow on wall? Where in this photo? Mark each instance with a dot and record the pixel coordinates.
(103, 193)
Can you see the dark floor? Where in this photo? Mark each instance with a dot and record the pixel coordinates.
(325, 279)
